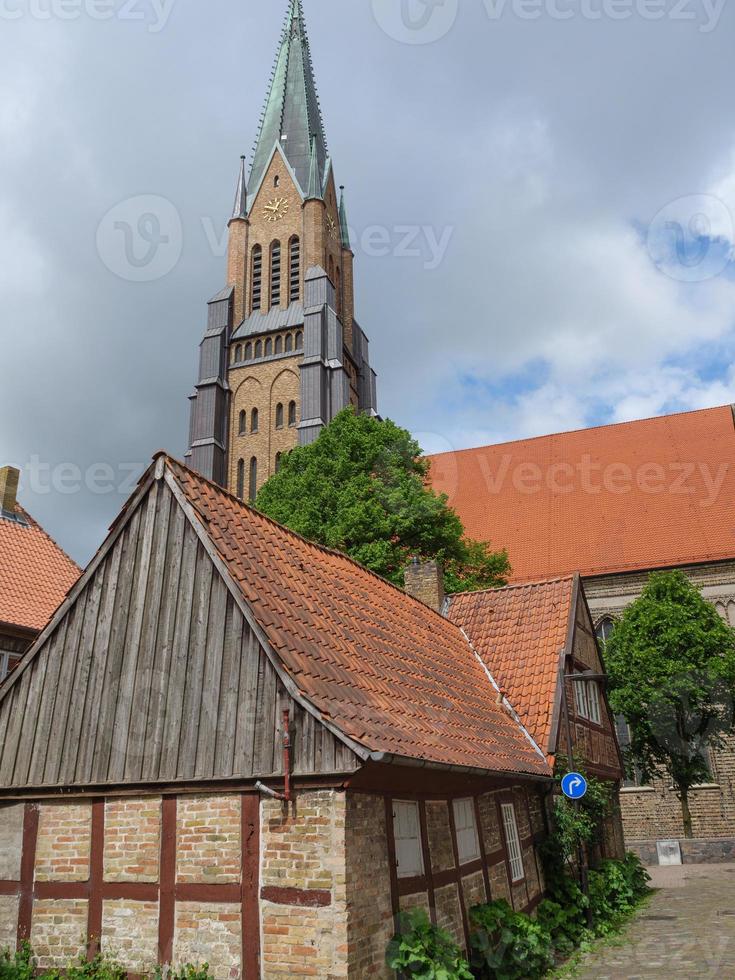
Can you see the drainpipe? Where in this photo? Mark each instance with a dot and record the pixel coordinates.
(285, 796)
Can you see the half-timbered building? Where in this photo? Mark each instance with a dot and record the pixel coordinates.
(232, 745)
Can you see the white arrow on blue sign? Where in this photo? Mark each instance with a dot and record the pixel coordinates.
(574, 785)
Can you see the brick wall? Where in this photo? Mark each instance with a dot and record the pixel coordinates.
(132, 839)
(370, 912)
(130, 933)
(64, 841)
(208, 845)
(58, 930)
(11, 838)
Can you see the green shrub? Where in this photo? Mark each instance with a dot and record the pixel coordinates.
(421, 950)
(21, 965)
(17, 965)
(564, 925)
(508, 945)
(616, 889)
(184, 973)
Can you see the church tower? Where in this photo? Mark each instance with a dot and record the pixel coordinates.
(282, 353)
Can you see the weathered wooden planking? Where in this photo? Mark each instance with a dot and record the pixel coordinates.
(154, 675)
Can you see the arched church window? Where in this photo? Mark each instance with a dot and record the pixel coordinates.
(295, 270)
(238, 353)
(279, 416)
(253, 488)
(289, 343)
(279, 345)
(604, 629)
(299, 340)
(243, 426)
(279, 457)
(276, 274)
(292, 414)
(248, 351)
(241, 479)
(254, 420)
(268, 347)
(257, 277)
(258, 348)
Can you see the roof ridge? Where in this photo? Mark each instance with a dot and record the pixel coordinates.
(300, 537)
(569, 432)
(516, 585)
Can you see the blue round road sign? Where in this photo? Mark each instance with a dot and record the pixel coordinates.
(574, 785)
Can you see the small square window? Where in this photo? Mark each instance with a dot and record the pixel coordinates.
(515, 856)
(468, 843)
(407, 831)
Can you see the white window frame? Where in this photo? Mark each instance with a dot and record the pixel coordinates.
(593, 702)
(513, 843)
(580, 698)
(465, 827)
(407, 836)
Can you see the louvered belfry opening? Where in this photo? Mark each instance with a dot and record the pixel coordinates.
(275, 274)
(257, 278)
(295, 271)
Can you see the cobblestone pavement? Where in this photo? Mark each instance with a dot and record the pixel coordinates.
(687, 930)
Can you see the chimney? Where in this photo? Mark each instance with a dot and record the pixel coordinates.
(9, 478)
(425, 581)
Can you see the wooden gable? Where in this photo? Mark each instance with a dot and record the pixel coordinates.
(153, 672)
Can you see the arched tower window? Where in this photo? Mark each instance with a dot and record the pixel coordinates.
(279, 416)
(241, 479)
(248, 351)
(243, 426)
(275, 274)
(279, 345)
(258, 348)
(299, 340)
(256, 277)
(295, 269)
(253, 488)
(238, 353)
(279, 457)
(254, 420)
(292, 414)
(268, 347)
(289, 343)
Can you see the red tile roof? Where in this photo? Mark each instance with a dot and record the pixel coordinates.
(639, 495)
(35, 574)
(520, 633)
(386, 670)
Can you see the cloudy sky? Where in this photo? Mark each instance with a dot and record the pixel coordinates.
(541, 194)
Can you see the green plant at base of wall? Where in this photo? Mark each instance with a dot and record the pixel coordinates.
(423, 951)
(21, 965)
(508, 945)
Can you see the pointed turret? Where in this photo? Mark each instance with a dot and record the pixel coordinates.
(343, 219)
(314, 190)
(240, 208)
(292, 116)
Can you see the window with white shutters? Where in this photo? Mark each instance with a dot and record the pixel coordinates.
(580, 693)
(407, 832)
(513, 841)
(593, 701)
(465, 825)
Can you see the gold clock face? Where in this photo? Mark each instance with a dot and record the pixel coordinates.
(332, 227)
(276, 209)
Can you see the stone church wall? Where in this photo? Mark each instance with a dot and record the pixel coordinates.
(653, 813)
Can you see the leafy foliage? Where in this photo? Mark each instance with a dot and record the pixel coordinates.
(362, 488)
(616, 890)
(21, 965)
(671, 659)
(423, 951)
(508, 945)
(577, 824)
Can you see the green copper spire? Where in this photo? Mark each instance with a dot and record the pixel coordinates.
(314, 190)
(240, 208)
(343, 219)
(292, 115)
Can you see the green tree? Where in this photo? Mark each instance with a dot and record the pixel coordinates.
(671, 661)
(362, 488)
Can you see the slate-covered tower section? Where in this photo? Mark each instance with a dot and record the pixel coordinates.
(283, 352)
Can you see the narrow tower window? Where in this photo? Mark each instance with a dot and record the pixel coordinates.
(258, 348)
(279, 345)
(289, 343)
(299, 340)
(268, 347)
(279, 416)
(275, 274)
(241, 479)
(257, 277)
(248, 351)
(253, 489)
(243, 428)
(292, 413)
(278, 462)
(295, 280)
(254, 420)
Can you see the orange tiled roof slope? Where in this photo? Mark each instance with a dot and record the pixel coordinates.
(520, 633)
(390, 673)
(35, 574)
(640, 495)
